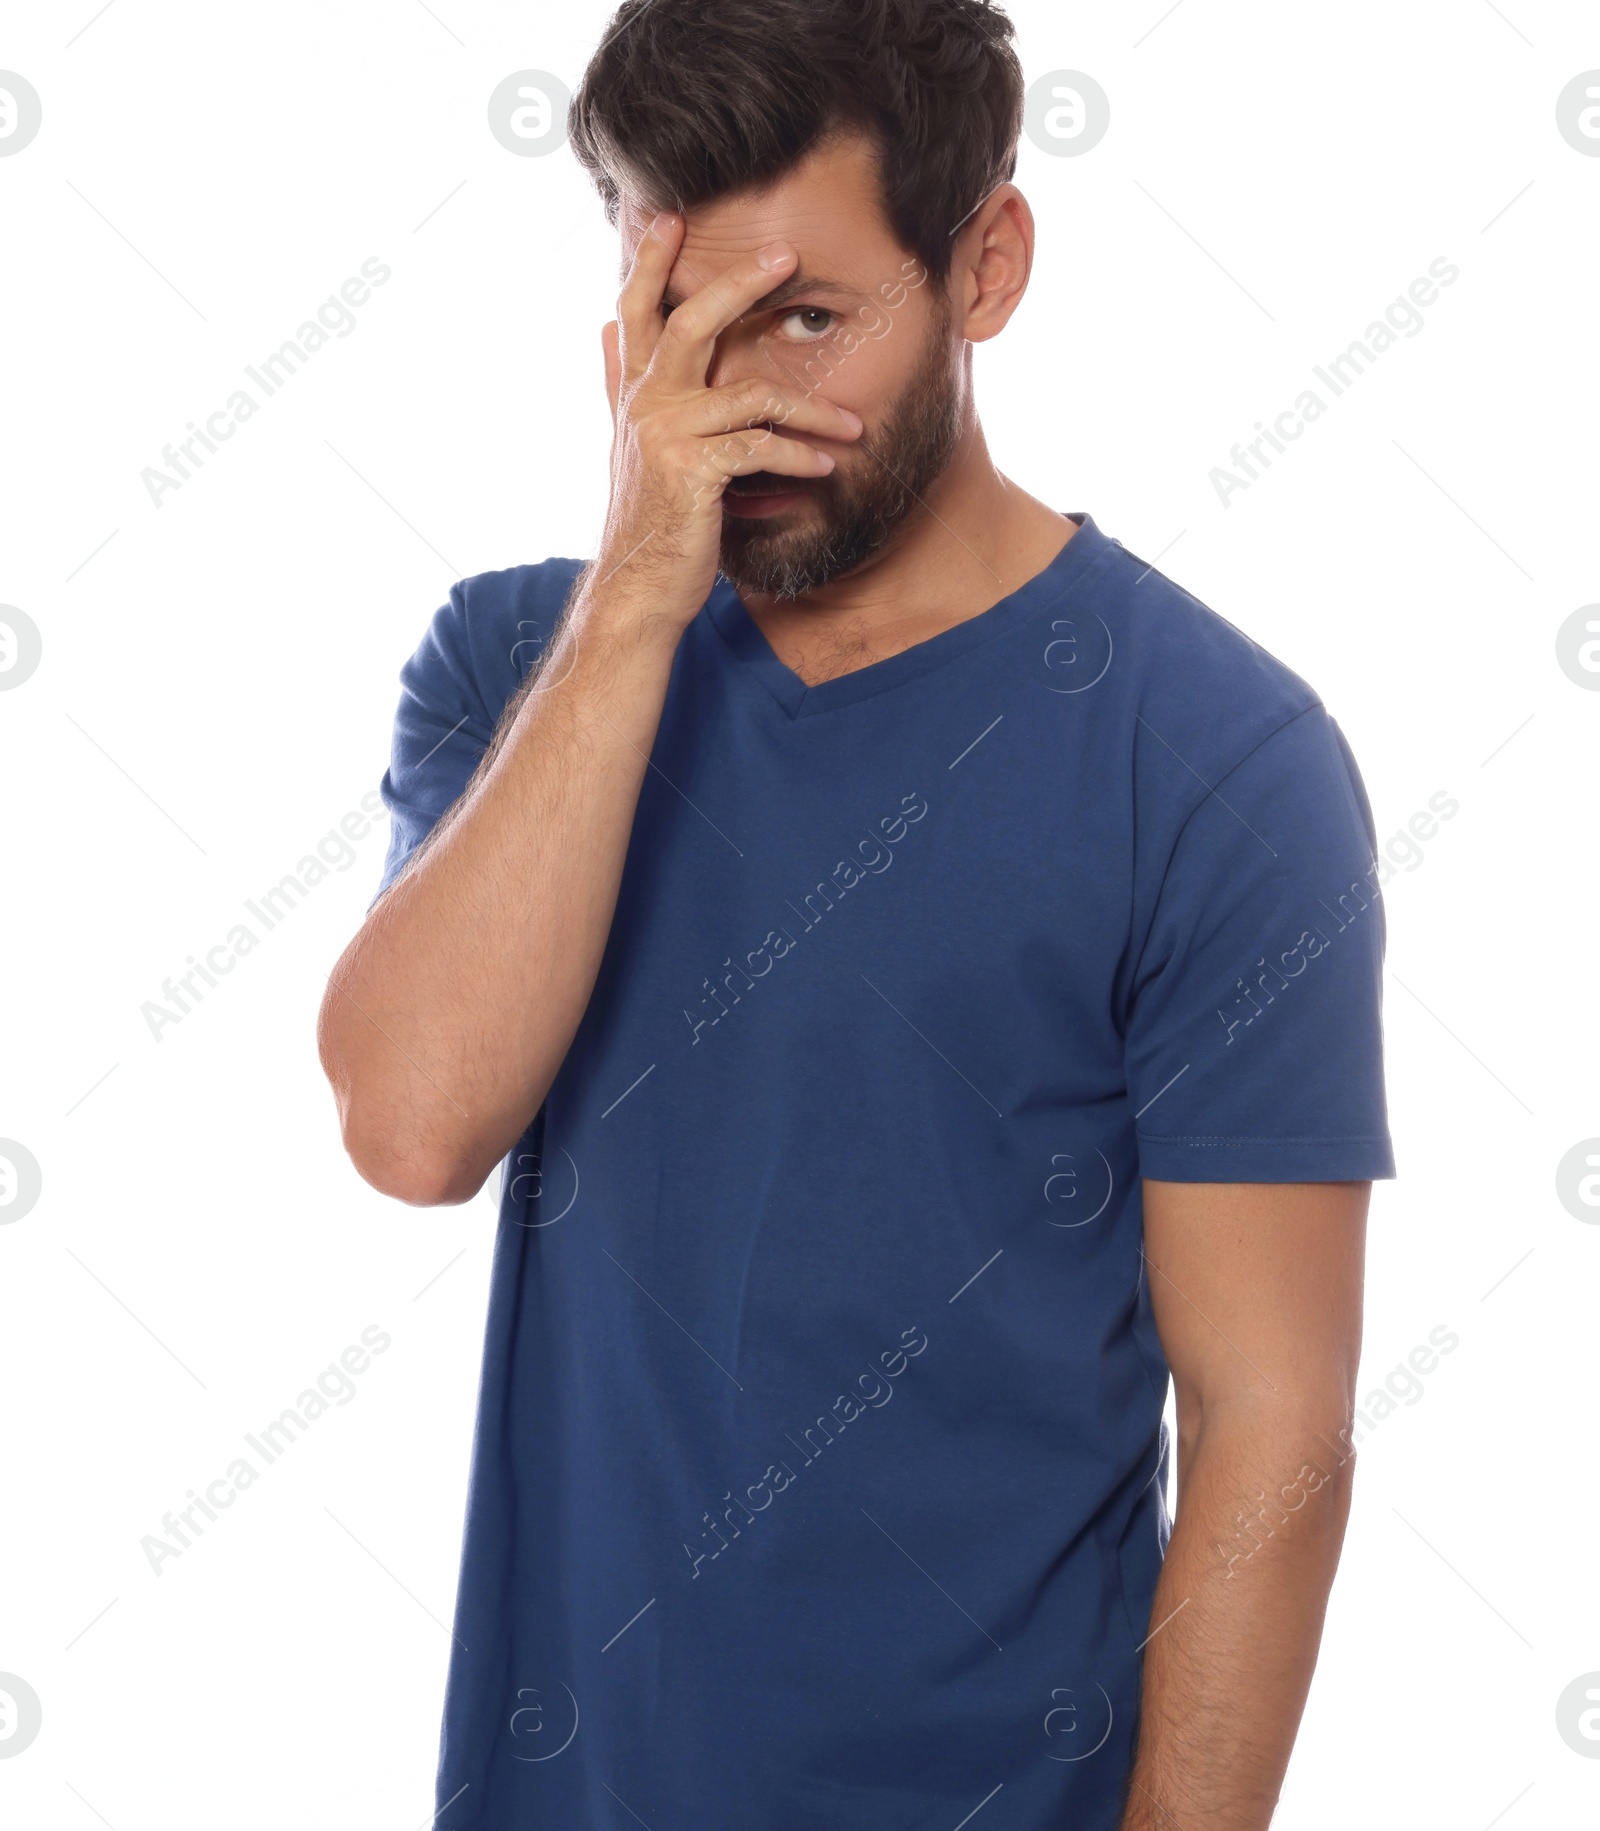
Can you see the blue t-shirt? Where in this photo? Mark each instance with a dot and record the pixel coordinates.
(819, 1471)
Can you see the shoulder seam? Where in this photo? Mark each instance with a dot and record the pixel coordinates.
(1233, 768)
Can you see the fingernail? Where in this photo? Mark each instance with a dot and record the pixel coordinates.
(853, 420)
(779, 254)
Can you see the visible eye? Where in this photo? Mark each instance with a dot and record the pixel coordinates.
(801, 326)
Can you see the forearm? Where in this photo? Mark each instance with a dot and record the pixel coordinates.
(451, 1010)
(1236, 1623)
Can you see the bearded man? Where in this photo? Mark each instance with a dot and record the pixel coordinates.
(919, 972)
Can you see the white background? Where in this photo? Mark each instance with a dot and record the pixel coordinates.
(217, 688)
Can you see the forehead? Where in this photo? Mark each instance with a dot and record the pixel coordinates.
(829, 207)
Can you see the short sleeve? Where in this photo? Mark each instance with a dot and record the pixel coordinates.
(441, 731)
(479, 648)
(1254, 1047)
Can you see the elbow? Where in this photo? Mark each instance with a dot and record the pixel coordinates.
(419, 1179)
(1305, 1480)
(1297, 1457)
(389, 1147)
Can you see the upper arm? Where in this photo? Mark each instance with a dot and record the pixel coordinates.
(1256, 1290)
(1254, 1026)
(476, 654)
(441, 730)
(1254, 1064)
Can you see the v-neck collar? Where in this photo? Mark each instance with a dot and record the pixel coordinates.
(745, 637)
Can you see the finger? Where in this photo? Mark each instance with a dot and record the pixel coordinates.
(610, 344)
(688, 339)
(743, 454)
(639, 304)
(747, 405)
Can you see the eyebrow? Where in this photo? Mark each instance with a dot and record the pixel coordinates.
(792, 288)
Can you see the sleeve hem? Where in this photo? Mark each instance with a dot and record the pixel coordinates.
(1267, 1160)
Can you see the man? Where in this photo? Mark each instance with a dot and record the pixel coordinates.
(920, 969)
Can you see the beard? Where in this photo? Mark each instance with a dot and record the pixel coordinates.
(865, 499)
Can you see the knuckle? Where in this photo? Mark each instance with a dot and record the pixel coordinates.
(765, 402)
(653, 430)
(690, 458)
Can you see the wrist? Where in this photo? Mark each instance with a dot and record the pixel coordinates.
(627, 619)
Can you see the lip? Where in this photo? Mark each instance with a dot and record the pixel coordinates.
(758, 508)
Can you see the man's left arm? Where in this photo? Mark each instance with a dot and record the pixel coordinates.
(1256, 1289)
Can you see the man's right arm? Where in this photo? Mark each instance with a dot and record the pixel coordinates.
(448, 1015)
(450, 1012)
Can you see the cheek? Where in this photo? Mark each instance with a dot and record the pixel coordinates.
(849, 369)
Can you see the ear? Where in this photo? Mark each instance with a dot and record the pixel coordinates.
(994, 259)
(613, 354)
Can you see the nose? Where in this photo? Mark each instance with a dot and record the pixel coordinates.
(737, 357)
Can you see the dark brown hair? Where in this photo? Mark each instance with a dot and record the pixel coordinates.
(690, 100)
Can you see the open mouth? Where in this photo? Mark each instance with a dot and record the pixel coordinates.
(762, 494)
